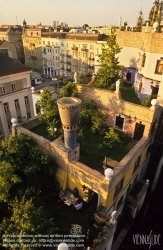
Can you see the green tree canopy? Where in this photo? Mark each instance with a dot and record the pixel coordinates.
(23, 168)
(139, 21)
(49, 112)
(110, 69)
(69, 90)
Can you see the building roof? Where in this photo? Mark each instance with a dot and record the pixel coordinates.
(10, 66)
(76, 36)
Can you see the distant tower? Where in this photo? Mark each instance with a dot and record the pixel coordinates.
(24, 24)
(69, 109)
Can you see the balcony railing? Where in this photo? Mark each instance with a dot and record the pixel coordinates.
(68, 55)
(44, 51)
(74, 48)
(69, 70)
(62, 54)
(68, 62)
(84, 49)
(91, 59)
(62, 68)
(61, 61)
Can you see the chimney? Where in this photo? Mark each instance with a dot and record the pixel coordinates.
(69, 109)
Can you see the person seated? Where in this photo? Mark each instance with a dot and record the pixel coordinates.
(61, 193)
(78, 205)
(75, 192)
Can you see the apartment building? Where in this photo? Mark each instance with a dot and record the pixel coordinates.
(32, 48)
(14, 36)
(142, 56)
(67, 53)
(15, 93)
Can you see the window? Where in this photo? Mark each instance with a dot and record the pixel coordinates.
(91, 47)
(84, 46)
(9, 125)
(159, 67)
(139, 131)
(28, 115)
(137, 164)
(119, 122)
(26, 100)
(6, 108)
(62, 44)
(1, 133)
(16, 103)
(13, 87)
(118, 188)
(2, 90)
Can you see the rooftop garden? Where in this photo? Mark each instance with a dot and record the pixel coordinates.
(96, 139)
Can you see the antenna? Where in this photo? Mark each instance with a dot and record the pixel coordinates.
(16, 20)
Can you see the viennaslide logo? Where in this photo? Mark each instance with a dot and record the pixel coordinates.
(147, 239)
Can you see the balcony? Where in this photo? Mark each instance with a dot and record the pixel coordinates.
(68, 62)
(62, 61)
(32, 44)
(62, 54)
(62, 68)
(74, 48)
(33, 57)
(56, 46)
(84, 49)
(91, 59)
(44, 51)
(69, 70)
(68, 55)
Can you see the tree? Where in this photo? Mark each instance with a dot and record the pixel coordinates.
(26, 219)
(49, 112)
(110, 69)
(111, 138)
(139, 22)
(70, 90)
(24, 169)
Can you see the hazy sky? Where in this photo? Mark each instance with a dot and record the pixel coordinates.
(73, 12)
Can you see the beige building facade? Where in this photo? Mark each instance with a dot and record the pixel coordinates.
(15, 93)
(67, 53)
(32, 48)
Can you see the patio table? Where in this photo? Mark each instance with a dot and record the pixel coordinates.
(67, 199)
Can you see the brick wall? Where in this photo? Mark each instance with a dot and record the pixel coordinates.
(109, 100)
(150, 42)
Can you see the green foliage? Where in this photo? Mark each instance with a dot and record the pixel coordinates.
(151, 14)
(27, 219)
(98, 121)
(23, 165)
(139, 22)
(70, 90)
(89, 104)
(48, 112)
(146, 101)
(125, 24)
(110, 70)
(92, 117)
(111, 137)
(82, 79)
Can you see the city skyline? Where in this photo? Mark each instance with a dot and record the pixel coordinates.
(93, 13)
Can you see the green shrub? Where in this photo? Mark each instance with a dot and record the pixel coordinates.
(146, 102)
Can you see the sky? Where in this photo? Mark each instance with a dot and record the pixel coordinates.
(73, 12)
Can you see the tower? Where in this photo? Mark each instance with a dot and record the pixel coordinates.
(69, 109)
